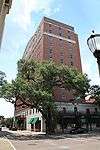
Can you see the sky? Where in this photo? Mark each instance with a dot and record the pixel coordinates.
(24, 18)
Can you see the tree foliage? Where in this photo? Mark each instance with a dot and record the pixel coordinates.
(94, 92)
(35, 83)
(2, 78)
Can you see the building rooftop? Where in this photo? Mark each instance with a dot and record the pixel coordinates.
(58, 22)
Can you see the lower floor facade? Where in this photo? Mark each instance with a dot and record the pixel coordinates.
(32, 119)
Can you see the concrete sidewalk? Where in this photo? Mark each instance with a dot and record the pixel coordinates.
(5, 144)
(23, 132)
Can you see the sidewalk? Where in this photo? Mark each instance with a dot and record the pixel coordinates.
(95, 133)
(5, 145)
(24, 132)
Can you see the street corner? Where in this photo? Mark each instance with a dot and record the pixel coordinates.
(5, 144)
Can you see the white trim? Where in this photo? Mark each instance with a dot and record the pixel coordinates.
(59, 37)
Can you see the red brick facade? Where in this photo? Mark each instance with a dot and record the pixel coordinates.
(58, 42)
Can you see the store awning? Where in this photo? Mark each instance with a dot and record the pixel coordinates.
(33, 120)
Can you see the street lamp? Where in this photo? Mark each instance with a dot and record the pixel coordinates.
(93, 43)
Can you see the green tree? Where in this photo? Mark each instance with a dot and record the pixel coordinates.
(94, 92)
(35, 83)
(2, 78)
(8, 122)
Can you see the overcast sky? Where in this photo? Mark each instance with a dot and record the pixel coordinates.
(23, 20)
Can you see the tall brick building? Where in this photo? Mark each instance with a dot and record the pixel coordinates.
(58, 42)
(54, 41)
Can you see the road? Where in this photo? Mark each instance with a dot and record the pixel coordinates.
(28, 141)
(5, 144)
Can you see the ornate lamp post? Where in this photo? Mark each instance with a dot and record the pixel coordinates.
(93, 43)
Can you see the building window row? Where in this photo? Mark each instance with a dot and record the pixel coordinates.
(31, 111)
(60, 32)
(50, 55)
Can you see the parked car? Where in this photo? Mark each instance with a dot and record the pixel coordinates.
(78, 131)
(14, 129)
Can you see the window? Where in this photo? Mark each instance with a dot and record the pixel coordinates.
(61, 53)
(71, 56)
(50, 31)
(64, 110)
(49, 25)
(61, 44)
(69, 37)
(50, 57)
(71, 63)
(75, 109)
(61, 60)
(63, 96)
(59, 28)
(50, 50)
(50, 39)
(60, 34)
(50, 53)
(23, 106)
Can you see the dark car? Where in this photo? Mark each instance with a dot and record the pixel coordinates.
(14, 129)
(78, 131)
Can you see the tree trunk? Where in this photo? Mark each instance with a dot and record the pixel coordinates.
(49, 123)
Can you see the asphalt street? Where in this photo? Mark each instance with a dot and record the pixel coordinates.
(12, 140)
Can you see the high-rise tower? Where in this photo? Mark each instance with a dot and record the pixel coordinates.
(55, 41)
(58, 42)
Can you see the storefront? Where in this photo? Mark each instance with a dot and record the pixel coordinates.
(35, 124)
(20, 122)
